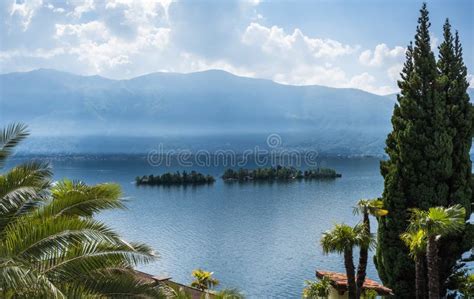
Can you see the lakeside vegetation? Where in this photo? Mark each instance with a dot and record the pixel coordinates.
(177, 178)
(423, 227)
(432, 108)
(278, 173)
(51, 246)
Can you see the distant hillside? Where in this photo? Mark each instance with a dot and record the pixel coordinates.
(470, 91)
(198, 109)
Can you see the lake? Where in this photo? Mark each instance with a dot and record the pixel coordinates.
(262, 238)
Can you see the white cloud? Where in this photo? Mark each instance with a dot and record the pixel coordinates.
(312, 75)
(115, 51)
(82, 6)
(275, 41)
(471, 82)
(91, 31)
(366, 82)
(55, 9)
(25, 11)
(93, 44)
(394, 71)
(38, 53)
(127, 38)
(140, 11)
(380, 55)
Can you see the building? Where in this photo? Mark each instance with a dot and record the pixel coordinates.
(338, 288)
(193, 292)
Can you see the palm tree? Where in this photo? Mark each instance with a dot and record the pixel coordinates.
(317, 289)
(203, 280)
(436, 223)
(366, 207)
(416, 243)
(342, 239)
(50, 244)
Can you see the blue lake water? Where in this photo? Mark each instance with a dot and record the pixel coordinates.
(262, 238)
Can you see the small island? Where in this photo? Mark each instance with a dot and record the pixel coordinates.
(177, 178)
(278, 173)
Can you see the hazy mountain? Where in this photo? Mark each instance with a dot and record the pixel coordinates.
(68, 112)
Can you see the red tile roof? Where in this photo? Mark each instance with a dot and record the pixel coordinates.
(339, 281)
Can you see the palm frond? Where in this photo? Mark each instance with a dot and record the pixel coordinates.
(23, 188)
(90, 257)
(9, 139)
(374, 207)
(77, 199)
(415, 241)
(33, 238)
(203, 280)
(122, 284)
(438, 220)
(343, 237)
(26, 282)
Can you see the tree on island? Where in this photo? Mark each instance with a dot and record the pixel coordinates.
(428, 149)
(177, 178)
(278, 173)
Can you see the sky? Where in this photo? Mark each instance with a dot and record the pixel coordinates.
(357, 44)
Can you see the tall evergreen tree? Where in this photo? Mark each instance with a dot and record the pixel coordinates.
(419, 165)
(453, 87)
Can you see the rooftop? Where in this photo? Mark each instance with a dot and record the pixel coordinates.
(339, 282)
(195, 293)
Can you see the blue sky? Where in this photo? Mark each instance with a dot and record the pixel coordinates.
(357, 44)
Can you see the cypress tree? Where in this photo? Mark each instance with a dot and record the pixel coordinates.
(419, 165)
(453, 87)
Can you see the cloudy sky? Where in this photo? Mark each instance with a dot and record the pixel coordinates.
(356, 44)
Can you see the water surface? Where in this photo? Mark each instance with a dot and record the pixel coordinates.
(259, 237)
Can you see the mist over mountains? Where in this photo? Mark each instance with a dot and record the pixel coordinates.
(204, 110)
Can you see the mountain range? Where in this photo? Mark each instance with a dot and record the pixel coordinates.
(203, 110)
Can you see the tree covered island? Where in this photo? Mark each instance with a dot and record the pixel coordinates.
(278, 173)
(177, 178)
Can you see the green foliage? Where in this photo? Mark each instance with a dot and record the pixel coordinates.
(51, 247)
(178, 293)
(428, 149)
(203, 280)
(374, 207)
(229, 294)
(415, 240)
(317, 289)
(178, 178)
(438, 221)
(369, 294)
(9, 138)
(466, 285)
(343, 237)
(278, 173)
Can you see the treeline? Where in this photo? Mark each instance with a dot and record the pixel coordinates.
(177, 178)
(278, 173)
